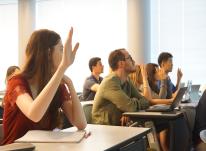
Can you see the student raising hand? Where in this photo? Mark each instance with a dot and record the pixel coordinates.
(36, 96)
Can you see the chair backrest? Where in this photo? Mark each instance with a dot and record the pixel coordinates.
(88, 112)
(1, 131)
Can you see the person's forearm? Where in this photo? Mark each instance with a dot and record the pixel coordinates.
(161, 101)
(163, 89)
(78, 116)
(146, 90)
(178, 83)
(42, 101)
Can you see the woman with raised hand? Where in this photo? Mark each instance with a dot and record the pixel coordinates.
(35, 97)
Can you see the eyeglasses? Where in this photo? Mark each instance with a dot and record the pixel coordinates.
(129, 57)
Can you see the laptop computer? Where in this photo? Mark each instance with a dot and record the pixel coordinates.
(194, 95)
(171, 107)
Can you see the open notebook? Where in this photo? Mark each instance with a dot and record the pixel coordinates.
(18, 147)
(40, 136)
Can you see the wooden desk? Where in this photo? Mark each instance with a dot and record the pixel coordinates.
(179, 133)
(110, 138)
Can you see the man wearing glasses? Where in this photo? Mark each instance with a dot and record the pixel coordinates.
(116, 93)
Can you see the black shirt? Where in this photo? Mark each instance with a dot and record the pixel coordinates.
(88, 94)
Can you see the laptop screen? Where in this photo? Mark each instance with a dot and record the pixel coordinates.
(194, 94)
(178, 97)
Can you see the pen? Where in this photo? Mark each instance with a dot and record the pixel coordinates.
(87, 134)
(134, 124)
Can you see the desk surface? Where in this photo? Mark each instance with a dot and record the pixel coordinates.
(154, 115)
(102, 138)
(189, 105)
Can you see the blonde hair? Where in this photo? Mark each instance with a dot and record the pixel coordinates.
(136, 77)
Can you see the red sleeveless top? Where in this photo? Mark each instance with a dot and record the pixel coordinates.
(15, 123)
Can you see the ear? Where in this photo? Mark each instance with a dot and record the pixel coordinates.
(121, 64)
(162, 64)
(93, 68)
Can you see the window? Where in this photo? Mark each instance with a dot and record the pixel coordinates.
(9, 37)
(179, 26)
(99, 26)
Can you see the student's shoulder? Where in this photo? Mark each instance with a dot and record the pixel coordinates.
(110, 80)
(17, 78)
(90, 78)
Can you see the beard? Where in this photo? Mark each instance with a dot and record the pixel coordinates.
(130, 69)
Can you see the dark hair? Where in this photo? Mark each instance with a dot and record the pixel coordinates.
(164, 56)
(93, 62)
(39, 64)
(151, 70)
(114, 57)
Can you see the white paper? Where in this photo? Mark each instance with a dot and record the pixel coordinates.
(40, 136)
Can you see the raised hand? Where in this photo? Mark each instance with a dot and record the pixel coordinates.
(179, 74)
(69, 52)
(143, 72)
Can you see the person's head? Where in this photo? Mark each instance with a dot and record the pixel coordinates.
(120, 59)
(136, 77)
(11, 71)
(95, 65)
(165, 61)
(152, 75)
(43, 55)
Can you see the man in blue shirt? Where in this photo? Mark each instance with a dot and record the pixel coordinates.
(165, 62)
(91, 83)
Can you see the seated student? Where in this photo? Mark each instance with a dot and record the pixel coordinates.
(200, 120)
(166, 64)
(11, 71)
(91, 84)
(153, 75)
(116, 93)
(146, 81)
(34, 97)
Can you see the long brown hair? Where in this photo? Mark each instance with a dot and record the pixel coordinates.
(39, 65)
(151, 69)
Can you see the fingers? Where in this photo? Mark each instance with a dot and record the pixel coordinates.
(70, 35)
(124, 120)
(179, 73)
(75, 48)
